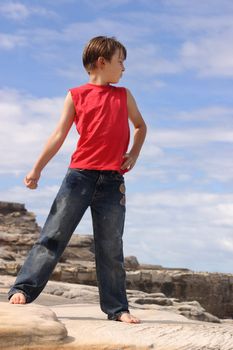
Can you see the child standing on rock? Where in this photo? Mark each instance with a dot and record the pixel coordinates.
(94, 178)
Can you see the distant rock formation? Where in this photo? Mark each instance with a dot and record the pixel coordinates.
(19, 230)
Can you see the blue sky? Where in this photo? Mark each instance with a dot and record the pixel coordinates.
(179, 69)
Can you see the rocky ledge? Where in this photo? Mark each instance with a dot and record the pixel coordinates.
(72, 320)
(19, 230)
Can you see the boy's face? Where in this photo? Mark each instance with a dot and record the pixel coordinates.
(113, 70)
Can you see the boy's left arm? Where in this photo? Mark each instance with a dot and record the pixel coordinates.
(139, 132)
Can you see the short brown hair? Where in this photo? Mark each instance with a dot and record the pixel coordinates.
(101, 46)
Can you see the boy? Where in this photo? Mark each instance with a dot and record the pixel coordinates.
(94, 178)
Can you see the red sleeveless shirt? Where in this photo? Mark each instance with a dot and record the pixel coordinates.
(102, 122)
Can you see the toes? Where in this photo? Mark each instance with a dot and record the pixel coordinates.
(127, 318)
(17, 298)
(22, 299)
(12, 300)
(134, 320)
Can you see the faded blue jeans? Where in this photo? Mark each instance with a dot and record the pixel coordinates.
(104, 192)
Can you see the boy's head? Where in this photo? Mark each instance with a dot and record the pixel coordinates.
(101, 46)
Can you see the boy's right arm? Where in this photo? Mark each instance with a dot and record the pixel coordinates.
(53, 144)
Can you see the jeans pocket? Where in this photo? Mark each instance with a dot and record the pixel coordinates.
(72, 178)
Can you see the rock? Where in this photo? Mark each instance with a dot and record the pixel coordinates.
(214, 291)
(157, 295)
(137, 299)
(9, 207)
(160, 330)
(28, 325)
(79, 248)
(158, 301)
(84, 326)
(131, 263)
(6, 254)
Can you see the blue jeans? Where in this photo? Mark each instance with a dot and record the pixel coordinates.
(103, 191)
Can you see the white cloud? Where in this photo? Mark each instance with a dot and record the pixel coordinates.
(17, 11)
(210, 56)
(201, 42)
(124, 31)
(163, 227)
(148, 60)
(226, 244)
(183, 200)
(11, 41)
(33, 119)
(217, 115)
(186, 137)
(14, 10)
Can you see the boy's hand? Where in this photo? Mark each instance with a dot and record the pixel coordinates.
(129, 161)
(32, 179)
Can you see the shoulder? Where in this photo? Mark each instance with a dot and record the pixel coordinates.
(127, 93)
(120, 90)
(130, 98)
(77, 91)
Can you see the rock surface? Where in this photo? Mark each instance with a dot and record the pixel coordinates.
(19, 230)
(24, 325)
(162, 327)
(79, 293)
(160, 330)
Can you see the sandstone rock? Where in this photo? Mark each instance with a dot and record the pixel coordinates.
(157, 295)
(85, 327)
(28, 325)
(149, 300)
(79, 248)
(6, 254)
(36, 327)
(9, 207)
(133, 278)
(160, 330)
(131, 263)
(200, 316)
(137, 299)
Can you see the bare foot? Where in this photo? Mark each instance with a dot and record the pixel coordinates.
(18, 298)
(128, 318)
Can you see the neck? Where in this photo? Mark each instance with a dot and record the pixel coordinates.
(97, 80)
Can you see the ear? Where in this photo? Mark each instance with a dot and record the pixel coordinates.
(100, 63)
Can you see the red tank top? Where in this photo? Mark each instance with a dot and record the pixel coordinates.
(102, 122)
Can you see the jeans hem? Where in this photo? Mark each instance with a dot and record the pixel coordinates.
(117, 315)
